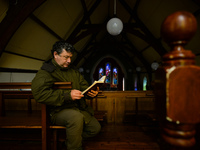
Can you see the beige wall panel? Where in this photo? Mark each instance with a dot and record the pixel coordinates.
(60, 16)
(99, 17)
(14, 61)
(31, 40)
(16, 77)
(82, 43)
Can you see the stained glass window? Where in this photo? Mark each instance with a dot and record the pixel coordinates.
(115, 76)
(101, 72)
(144, 83)
(135, 84)
(108, 73)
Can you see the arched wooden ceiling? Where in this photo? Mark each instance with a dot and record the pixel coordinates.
(29, 28)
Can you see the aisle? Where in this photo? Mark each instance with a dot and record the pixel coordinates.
(112, 137)
(124, 137)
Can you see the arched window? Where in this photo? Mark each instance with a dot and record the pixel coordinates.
(144, 83)
(135, 84)
(111, 77)
(101, 72)
(115, 76)
(108, 73)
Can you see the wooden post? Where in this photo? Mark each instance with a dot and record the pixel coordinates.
(46, 143)
(2, 105)
(177, 84)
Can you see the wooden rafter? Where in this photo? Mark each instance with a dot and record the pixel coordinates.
(16, 15)
(140, 57)
(82, 22)
(85, 9)
(154, 42)
(84, 51)
(34, 18)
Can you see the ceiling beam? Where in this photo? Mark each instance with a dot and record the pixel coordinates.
(23, 55)
(38, 21)
(139, 56)
(85, 9)
(16, 15)
(91, 29)
(84, 51)
(11, 70)
(82, 22)
(134, 10)
(86, 33)
(127, 56)
(154, 42)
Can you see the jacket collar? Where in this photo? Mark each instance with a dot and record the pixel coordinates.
(48, 66)
(51, 65)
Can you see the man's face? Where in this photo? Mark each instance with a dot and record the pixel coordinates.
(64, 58)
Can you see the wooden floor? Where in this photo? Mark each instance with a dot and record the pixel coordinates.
(134, 134)
(142, 135)
(124, 137)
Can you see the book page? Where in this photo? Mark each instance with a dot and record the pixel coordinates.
(102, 79)
(95, 84)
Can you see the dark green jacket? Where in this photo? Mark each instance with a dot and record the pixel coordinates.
(59, 99)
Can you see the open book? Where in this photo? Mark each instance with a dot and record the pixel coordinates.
(95, 84)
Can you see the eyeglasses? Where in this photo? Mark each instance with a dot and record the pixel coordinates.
(65, 57)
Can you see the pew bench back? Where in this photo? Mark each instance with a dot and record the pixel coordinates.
(32, 119)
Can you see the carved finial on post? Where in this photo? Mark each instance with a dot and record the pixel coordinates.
(177, 84)
(177, 30)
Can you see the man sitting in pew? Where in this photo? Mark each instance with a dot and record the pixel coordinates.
(67, 107)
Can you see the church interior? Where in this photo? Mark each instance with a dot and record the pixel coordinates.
(148, 50)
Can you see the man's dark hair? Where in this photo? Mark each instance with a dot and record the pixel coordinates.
(60, 45)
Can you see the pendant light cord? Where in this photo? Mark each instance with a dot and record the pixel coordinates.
(114, 7)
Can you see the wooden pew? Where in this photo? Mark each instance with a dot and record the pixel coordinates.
(177, 84)
(137, 113)
(46, 125)
(12, 90)
(22, 90)
(99, 114)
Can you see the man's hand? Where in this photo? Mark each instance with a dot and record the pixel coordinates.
(93, 93)
(76, 94)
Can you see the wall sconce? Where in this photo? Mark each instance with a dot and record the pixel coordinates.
(87, 71)
(154, 65)
(138, 69)
(81, 70)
